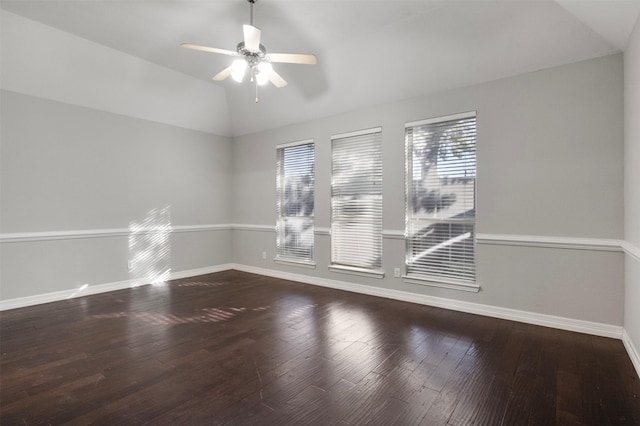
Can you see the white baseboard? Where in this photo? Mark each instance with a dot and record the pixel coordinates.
(562, 323)
(632, 351)
(21, 302)
(587, 327)
(199, 271)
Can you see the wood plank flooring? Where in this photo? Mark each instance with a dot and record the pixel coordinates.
(243, 349)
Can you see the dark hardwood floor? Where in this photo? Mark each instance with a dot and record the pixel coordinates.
(236, 348)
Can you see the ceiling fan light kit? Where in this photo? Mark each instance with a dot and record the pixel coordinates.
(253, 58)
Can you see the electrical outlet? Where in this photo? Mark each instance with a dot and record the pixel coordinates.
(264, 254)
(396, 272)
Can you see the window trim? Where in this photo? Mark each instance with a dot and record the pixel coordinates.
(362, 132)
(296, 143)
(428, 279)
(301, 263)
(307, 263)
(375, 272)
(351, 270)
(450, 117)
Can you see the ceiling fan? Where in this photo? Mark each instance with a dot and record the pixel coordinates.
(253, 57)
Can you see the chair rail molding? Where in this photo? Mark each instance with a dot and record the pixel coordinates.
(631, 250)
(573, 243)
(19, 237)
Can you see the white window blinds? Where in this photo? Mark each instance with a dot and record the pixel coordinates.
(356, 200)
(295, 201)
(440, 198)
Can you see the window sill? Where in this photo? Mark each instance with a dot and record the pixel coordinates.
(357, 271)
(299, 263)
(452, 284)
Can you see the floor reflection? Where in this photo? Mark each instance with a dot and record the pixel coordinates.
(266, 351)
(207, 315)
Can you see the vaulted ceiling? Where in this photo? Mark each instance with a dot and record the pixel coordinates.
(369, 52)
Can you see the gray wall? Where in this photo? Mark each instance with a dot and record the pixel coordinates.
(71, 168)
(550, 163)
(85, 73)
(632, 185)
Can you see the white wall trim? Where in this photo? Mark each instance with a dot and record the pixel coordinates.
(394, 234)
(370, 273)
(634, 354)
(320, 230)
(298, 263)
(357, 133)
(19, 237)
(595, 244)
(562, 323)
(296, 143)
(631, 250)
(200, 228)
(21, 302)
(460, 116)
(588, 327)
(199, 271)
(247, 227)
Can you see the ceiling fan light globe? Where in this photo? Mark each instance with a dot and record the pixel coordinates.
(264, 73)
(239, 69)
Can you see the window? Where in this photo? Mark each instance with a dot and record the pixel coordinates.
(295, 203)
(356, 202)
(440, 201)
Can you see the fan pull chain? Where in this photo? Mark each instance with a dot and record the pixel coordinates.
(254, 80)
(256, 90)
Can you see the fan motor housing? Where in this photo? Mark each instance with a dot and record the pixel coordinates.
(250, 55)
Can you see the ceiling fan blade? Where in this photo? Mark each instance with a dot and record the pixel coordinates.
(291, 58)
(208, 49)
(223, 74)
(276, 79)
(251, 38)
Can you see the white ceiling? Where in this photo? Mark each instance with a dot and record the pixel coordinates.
(369, 52)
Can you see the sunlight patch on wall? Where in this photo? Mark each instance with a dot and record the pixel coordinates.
(150, 248)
